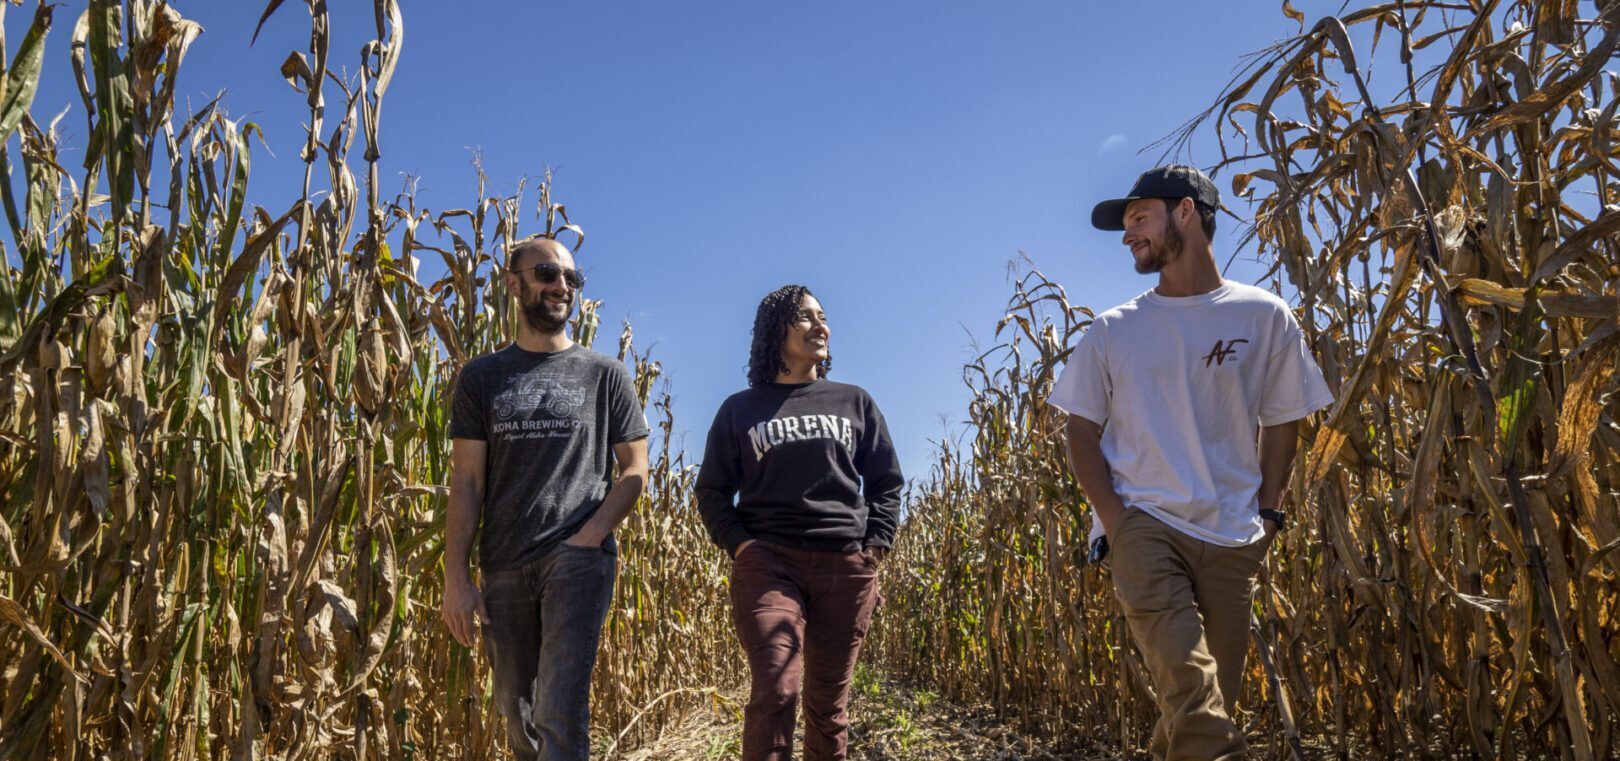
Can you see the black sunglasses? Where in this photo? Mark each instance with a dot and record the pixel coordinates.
(547, 273)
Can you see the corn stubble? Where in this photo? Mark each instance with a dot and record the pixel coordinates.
(1451, 586)
(222, 448)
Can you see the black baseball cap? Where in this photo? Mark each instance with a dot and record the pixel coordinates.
(1173, 181)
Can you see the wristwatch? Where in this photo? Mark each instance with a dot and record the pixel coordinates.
(1275, 516)
(1099, 551)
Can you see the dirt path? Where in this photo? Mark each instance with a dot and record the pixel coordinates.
(888, 723)
(891, 722)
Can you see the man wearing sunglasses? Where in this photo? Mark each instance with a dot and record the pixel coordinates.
(536, 430)
(1184, 406)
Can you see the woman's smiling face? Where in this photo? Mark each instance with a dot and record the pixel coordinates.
(808, 335)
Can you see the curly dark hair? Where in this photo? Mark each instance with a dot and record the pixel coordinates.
(778, 310)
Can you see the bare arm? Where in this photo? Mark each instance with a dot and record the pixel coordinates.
(621, 498)
(1091, 470)
(461, 597)
(1278, 444)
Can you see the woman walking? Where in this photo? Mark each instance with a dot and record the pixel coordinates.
(801, 487)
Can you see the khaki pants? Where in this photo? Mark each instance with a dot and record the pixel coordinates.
(1189, 604)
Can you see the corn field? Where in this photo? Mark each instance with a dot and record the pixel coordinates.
(1452, 586)
(222, 431)
(223, 453)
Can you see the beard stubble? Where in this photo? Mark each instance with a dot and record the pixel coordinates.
(536, 314)
(1161, 254)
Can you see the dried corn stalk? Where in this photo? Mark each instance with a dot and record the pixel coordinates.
(1453, 585)
(222, 431)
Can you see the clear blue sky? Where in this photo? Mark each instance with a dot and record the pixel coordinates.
(892, 156)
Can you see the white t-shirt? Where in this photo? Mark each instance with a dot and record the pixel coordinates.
(1181, 387)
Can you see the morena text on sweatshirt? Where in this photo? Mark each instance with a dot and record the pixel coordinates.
(768, 434)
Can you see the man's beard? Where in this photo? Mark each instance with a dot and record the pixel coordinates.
(538, 315)
(1161, 254)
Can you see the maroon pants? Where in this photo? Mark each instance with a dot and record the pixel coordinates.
(801, 616)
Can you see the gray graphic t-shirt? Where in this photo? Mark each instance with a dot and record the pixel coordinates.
(551, 421)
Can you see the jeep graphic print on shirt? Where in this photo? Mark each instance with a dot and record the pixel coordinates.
(539, 405)
(550, 422)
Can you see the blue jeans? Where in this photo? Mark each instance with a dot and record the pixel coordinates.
(545, 623)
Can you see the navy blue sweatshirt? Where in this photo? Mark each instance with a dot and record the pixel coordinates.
(809, 466)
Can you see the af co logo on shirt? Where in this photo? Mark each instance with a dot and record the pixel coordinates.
(1223, 351)
(537, 406)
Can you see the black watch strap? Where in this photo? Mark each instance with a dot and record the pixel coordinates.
(1275, 516)
(1099, 550)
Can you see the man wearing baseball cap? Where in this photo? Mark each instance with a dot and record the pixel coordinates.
(1184, 406)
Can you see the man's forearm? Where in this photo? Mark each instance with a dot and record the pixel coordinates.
(1278, 445)
(460, 526)
(1090, 468)
(616, 506)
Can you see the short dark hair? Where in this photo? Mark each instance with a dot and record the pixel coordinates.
(778, 310)
(1206, 215)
